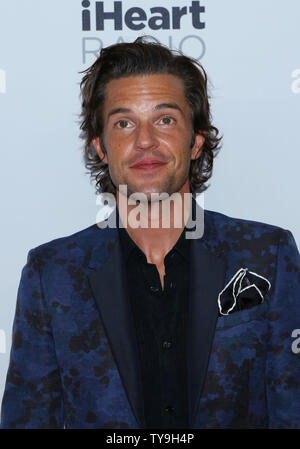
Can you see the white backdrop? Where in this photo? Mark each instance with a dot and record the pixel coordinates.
(249, 49)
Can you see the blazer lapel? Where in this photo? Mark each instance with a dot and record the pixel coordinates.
(108, 282)
(206, 281)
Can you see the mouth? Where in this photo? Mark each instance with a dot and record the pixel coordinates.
(148, 164)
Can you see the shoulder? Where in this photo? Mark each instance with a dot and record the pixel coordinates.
(240, 230)
(252, 243)
(226, 221)
(262, 247)
(74, 246)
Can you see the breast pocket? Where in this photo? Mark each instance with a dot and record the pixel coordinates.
(243, 316)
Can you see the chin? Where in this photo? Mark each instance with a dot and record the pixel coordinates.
(147, 190)
(144, 195)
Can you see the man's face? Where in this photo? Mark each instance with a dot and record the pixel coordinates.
(147, 134)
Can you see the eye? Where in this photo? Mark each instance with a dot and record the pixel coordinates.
(167, 120)
(122, 124)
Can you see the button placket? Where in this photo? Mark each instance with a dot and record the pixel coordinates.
(167, 344)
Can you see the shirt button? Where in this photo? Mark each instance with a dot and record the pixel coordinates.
(167, 344)
(153, 289)
(169, 409)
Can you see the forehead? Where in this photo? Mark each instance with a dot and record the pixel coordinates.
(139, 91)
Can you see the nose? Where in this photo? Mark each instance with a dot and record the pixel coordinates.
(145, 137)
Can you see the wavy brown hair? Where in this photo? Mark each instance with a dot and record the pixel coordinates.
(142, 57)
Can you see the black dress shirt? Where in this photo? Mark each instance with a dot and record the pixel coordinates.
(160, 321)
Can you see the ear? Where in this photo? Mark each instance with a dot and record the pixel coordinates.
(197, 147)
(102, 154)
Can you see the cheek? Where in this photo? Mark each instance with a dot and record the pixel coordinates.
(183, 153)
(184, 162)
(120, 148)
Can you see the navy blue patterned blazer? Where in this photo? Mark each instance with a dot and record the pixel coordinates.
(74, 356)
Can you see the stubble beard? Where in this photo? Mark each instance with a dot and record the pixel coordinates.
(168, 187)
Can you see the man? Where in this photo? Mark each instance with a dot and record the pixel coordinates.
(141, 327)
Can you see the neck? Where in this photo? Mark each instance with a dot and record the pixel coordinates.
(155, 226)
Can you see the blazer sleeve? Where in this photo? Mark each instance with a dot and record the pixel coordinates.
(33, 395)
(283, 362)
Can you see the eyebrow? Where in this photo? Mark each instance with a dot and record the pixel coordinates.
(118, 111)
(169, 106)
(156, 108)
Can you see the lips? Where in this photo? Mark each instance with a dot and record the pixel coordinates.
(148, 164)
